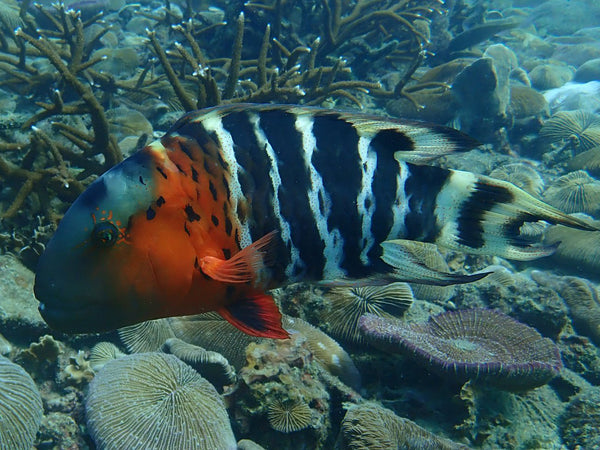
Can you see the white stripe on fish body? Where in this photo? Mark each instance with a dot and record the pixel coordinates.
(213, 122)
(334, 243)
(448, 204)
(401, 207)
(284, 226)
(368, 164)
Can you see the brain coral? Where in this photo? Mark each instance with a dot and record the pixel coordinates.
(478, 344)
(20, 407)
(155, 401)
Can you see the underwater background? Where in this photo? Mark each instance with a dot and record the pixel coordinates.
(84, 84)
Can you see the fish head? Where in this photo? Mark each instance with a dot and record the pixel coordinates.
(92, 276)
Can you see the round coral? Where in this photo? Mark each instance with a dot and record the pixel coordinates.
(155, 401)
(477, 344)
(20, 407)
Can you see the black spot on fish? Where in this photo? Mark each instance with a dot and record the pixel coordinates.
(185, 148)
(160, 201)
(180, 169)
(150, 213)
(393, 140)
(215, 220)
(471, 216)
(207, 167)
(162, 172)
(194, 174)
(226, 253)
(228, 226)
(142, 180)
(191, 214)
(185, 228)
(213, 190)
(226, 184)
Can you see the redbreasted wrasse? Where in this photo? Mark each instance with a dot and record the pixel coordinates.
(238, 199)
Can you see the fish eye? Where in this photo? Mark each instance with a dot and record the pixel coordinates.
(104, 234)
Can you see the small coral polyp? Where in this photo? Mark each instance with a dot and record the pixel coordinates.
(482, 345)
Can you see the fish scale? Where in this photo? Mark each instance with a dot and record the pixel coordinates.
(237, 199)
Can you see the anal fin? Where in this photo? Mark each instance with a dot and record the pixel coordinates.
(256, 315)
(409, 259)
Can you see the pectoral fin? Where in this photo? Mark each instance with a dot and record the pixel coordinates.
(242, 267)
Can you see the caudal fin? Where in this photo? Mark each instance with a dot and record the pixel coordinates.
(479, 214)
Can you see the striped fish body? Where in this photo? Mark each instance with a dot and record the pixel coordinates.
(234, 200)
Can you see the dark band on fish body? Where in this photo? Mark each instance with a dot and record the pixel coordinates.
(254, 175)
(383, 187)
(471, 215)
(226, 253)
(194, 173)
(160, 201)
(338, 163)
(161, 171)
(185, 228)
(393, 140)
(422, 187)
(215, 220)
(280, 130)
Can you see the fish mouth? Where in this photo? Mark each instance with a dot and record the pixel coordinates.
(72, 320)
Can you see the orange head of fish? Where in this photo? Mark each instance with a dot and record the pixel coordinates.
(126, 251)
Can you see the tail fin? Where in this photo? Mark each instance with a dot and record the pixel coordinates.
(478, 214)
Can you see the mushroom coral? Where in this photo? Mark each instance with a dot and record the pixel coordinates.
(155, 401)
(477, 344)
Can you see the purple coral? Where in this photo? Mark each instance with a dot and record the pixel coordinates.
(478, 344)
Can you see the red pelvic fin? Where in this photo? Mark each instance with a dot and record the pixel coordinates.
(256, 315)
(242, 267)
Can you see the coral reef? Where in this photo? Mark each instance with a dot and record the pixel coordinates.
(20, 407)
(154, 400)
(288, 416)
(478, 344)
(575, 192)
(345, 305)
(103, 352)
(211, 365)
(580, 420)
(371, 426)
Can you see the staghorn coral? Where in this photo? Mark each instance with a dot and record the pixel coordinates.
(153, 401)
(578, 129)
(347, 304)
(289, 415)
(483, 345)
(20, 407)
(371, 426)
(211, 365)
(575, 192)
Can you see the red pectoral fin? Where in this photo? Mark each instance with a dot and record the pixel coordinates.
(256, 315)
(242, 267)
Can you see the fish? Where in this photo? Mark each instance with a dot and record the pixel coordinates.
(238, 199)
